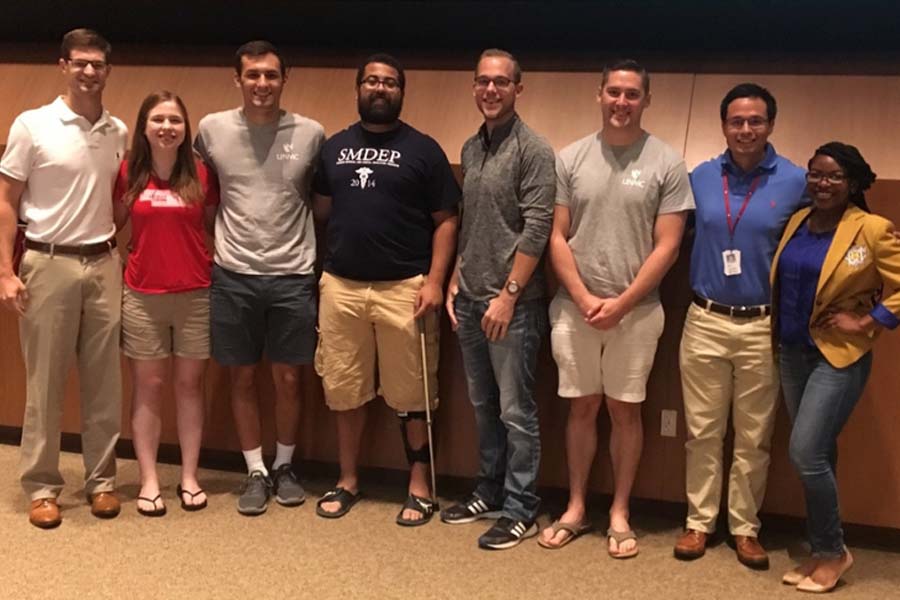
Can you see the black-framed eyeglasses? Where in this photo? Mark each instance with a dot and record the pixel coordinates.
(501, 83)
(372, 82)
(833, 178)
(80, 64)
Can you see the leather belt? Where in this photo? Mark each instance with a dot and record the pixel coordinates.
(82, 250)
(743, 312)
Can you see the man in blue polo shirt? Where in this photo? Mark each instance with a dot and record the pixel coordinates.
(744, 198)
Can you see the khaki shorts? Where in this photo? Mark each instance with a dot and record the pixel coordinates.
(615, 362)
(364, 323)
(160, 325)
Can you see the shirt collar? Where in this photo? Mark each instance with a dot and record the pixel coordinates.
(499, 134)
(67, 115)
(766, 166)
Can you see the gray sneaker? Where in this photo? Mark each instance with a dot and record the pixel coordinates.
(288, 491)
(255, 493)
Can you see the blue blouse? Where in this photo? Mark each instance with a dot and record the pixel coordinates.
(798, 276)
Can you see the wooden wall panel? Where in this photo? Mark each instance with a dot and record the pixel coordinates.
(562, 107)
(812, 110)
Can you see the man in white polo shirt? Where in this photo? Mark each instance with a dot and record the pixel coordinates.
(57, 175)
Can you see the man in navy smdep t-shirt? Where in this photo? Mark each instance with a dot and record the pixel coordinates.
(390, 199)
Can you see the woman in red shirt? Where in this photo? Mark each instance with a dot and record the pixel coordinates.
(170, 198)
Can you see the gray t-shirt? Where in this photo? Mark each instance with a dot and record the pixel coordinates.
(264, 225)
(614, 195)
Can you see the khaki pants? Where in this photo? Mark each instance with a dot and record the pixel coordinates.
(73, 311)
(727, 367)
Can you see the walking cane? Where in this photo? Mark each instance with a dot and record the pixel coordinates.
(421, 325)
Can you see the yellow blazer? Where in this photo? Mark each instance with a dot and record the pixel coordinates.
(862, 261)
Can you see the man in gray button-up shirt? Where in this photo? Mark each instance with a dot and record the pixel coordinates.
(496, 300)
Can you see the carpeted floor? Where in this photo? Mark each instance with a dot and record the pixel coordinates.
(291, 553)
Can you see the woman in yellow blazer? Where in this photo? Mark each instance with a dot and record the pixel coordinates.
(834, 263)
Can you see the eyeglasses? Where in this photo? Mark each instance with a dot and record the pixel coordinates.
(755, 123)
(501, 83)
(372, 82)
(81, 64)
(835, 178)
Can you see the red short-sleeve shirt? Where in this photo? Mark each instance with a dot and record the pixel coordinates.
(168, 247)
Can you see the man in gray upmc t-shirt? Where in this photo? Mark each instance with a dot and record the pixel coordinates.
(496, 300)
(622, 200)
(263, 294)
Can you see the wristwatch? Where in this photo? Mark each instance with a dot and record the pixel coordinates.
(512, 286)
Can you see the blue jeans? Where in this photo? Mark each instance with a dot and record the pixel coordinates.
(500, 377)
(819, 399)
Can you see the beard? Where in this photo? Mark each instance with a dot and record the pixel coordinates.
(381, 113)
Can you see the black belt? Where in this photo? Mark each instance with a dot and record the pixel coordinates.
(82, 250)
(745, 312)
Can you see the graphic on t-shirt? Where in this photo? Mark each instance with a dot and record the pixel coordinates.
(363, 180)
(369, 156)
(288, 153)
(634, 180)
(161, 198)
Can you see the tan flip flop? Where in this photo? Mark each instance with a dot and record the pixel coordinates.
(619, 537)
(574, 530)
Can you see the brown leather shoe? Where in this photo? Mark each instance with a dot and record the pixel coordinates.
(750, 553)
(690, 545)
(105, 505)
(44, 513)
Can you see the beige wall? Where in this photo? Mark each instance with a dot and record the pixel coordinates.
(684, 112)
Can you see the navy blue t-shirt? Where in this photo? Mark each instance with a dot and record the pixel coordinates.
(384, 189)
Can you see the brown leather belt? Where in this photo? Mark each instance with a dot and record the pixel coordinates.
(743, 312)
(82, 250)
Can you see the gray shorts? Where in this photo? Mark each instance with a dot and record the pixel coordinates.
(255, 314)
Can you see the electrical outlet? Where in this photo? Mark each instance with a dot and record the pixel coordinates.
(668, 425)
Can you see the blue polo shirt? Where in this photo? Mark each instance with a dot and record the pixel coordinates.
(779, 194)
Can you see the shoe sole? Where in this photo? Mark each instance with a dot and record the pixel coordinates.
(756, 565)
(290, 501)
(252, 511)
(682, 555)
(46, 524)
(511, 544)
(106, 514)
(493, 514)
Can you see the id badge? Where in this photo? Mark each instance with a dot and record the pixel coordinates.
(731, 261)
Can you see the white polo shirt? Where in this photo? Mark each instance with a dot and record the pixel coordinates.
(69, 166)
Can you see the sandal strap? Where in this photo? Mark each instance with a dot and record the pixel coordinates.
(190, 493)
(339, 495)
(573, 528)
(425, 506)
(621, 536)
(152, 501)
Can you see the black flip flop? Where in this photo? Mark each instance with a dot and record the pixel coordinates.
(156, 512)
(423, 506)
(341, 496)
(184, 505)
